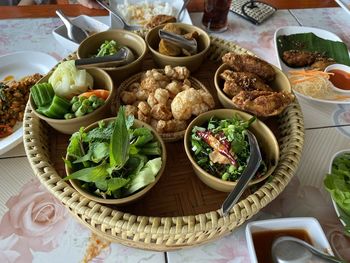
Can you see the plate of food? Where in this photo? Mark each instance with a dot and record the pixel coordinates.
(149, 13)
(337, 183)
(18, 72)
(303, 54)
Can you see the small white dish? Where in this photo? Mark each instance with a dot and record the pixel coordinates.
(336, 208)
(85, 22)
(340, 67)
(309, 224)
(19, 65)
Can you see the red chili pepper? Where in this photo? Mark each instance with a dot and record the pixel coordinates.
(217, 145)
(5, 130)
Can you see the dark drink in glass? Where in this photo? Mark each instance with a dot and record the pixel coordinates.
(215, 15)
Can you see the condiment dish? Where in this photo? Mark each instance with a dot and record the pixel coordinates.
(135, 43)
(135, 196)
(192, 62)
(265, 137)
(307, 228)
(102, 81)
(340, 77)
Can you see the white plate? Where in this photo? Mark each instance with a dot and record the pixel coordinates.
(345, 4)
(290, 30)
(85, 22)
(19, 65)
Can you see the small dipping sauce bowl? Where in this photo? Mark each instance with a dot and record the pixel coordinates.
(340, 77)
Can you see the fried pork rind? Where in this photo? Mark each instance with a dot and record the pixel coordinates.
(248, 63)
(178, 73)
(238, 81)
(159, 20)
(262, 103)
(173, 125)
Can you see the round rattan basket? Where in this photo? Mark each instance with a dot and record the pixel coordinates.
(168, 232)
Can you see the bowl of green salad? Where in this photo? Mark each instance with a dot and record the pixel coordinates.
(216, 143)
(68, 98)
(116, 160)
(337, 183)
(108, 43)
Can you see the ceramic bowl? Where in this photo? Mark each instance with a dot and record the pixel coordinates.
(341, 67)
(280, 83)
(308, 224)
(266, 139)
(191, 62)
(101, 80)
(135, 196)
(136, 43)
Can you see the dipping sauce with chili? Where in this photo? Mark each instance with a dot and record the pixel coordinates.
(263, 241)
(340, 79)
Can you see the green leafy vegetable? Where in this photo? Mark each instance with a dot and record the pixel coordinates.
(338, 185)
(310, 42)
(109, 47)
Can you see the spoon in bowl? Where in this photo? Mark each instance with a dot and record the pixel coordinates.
(288, 249)
(74, 32)
(248, 173)
(188, 44)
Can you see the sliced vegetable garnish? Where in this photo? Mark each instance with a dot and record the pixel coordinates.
(57, 109)
(100, 93)
(42, 94)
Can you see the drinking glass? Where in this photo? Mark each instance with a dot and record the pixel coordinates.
(215, 15)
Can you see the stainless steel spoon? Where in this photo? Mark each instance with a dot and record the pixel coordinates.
(122, 57)
(189, 44)
(126, 26)
(74, 32)
(288, 249)
(248, 173)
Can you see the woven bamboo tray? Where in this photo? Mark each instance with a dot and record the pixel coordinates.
(180, 211)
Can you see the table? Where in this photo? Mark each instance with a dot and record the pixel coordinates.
(33, 230)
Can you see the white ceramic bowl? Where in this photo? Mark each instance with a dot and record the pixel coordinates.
(340, 67)
(309, 224)
(88, 23)
(337, 209)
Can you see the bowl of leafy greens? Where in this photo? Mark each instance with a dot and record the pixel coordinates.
(216, 143)
(337, 183)
(116, 160)
(108, 43)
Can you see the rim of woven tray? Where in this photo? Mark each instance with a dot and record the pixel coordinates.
(167, 233)
(169, 136)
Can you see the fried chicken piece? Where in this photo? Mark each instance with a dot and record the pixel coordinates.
(159, 20)
(238, 81)
(322, 62)
(248, 63)
(299, 58)
(262, 103)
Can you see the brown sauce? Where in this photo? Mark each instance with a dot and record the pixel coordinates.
(263, 241)
(340, 79)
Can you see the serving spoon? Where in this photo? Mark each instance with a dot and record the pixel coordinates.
(248, 173)
(189, 44)
(74, 32)
(290, 249)
(122, 57)
(126, 26)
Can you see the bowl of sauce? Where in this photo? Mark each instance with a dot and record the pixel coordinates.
(339, 77)
(261, 234)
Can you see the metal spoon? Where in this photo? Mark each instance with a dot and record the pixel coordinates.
(122, 57)
(252, 166)
(126, 26)
(288, 249)
(183, 7)
(74, 32)
(189, 44)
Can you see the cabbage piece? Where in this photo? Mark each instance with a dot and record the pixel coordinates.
(68, 81)
(146, 175)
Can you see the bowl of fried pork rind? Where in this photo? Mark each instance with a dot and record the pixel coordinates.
(248, 83)
(167, 99)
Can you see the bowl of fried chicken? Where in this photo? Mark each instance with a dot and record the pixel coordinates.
(248, 83)
(167, 99)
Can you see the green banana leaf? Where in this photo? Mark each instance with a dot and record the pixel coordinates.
(310, 42)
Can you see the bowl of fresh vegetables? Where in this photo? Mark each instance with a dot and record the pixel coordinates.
(116, 160)
(337, 183)
(69, 98)
(109, 43)
(216, 143)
